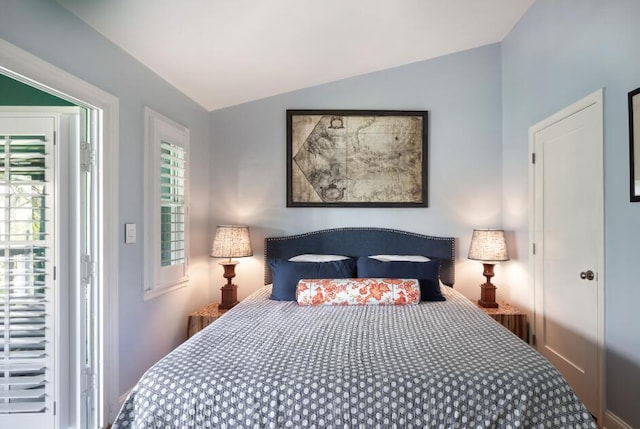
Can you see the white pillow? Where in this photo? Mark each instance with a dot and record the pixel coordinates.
(400, 258)
(311, 257)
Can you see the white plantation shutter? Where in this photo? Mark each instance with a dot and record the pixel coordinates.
(27, 277)
(166, 205)
(172, 204)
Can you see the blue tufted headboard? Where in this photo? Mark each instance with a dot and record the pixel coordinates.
(364, 242)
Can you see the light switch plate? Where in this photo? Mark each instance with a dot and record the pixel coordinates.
(129, 233)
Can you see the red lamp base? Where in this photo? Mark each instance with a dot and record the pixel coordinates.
(488, 296)
(229, 296)
(229, 291)
(488, 290)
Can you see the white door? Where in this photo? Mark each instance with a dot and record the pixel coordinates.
(28, 344)
(568, 244)
(46, 350)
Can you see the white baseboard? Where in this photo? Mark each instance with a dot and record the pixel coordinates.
(123, 397)
(611, 421)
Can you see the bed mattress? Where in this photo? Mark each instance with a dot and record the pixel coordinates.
(269, 364)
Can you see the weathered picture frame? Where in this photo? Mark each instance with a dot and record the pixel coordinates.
(357, 158)
(634, 144)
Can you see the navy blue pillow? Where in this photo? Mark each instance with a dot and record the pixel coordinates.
(426, 272)
(287, 274)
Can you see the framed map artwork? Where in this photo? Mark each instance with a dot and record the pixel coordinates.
(356, 158)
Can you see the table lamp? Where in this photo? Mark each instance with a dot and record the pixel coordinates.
(488, 246)
(230, 241)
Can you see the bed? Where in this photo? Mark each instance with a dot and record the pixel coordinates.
(278, 364)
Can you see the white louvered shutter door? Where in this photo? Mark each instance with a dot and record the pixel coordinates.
(27, 295)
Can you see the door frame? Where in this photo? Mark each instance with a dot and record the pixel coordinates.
(27, 68)
(594, 99)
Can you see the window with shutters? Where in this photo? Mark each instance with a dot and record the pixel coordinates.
(166, 188)
(26, 274)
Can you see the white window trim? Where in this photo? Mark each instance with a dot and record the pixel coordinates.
(157, 280)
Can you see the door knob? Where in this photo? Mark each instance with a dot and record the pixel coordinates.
(587, 275)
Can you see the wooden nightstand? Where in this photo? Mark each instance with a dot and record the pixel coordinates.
(203, 317)
(509, 317)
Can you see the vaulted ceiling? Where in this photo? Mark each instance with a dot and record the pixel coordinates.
(226, 52)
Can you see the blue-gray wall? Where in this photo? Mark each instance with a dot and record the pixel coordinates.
(461, 93)
(150, 329)
(558, 53)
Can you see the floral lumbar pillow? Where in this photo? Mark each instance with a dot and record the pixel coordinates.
(358, 291)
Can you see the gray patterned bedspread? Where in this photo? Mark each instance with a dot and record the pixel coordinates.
(268, 364)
